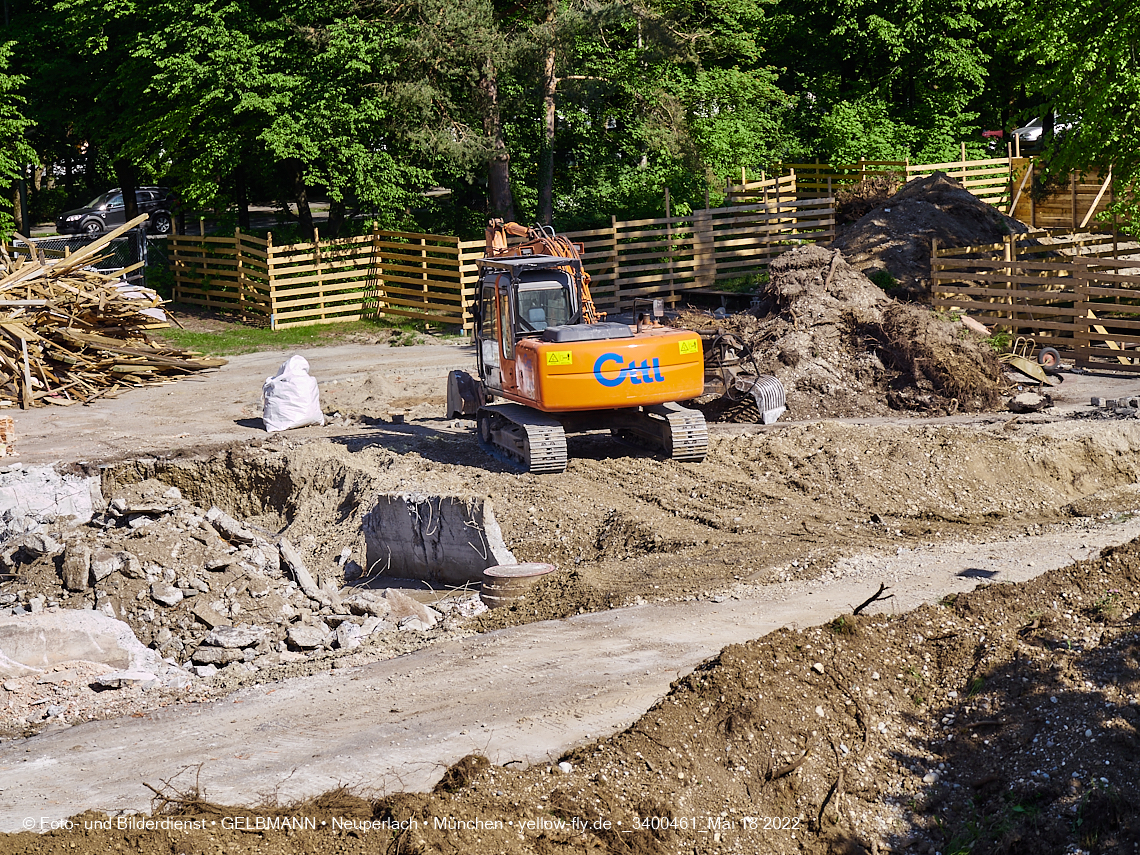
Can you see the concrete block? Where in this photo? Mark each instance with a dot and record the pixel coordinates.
(445, 540)
(308, 637)
(33, 643)
(216, 655)
(42, 492)
(76, 570)
(233, 636)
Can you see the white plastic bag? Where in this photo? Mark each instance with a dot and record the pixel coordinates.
(290, 398)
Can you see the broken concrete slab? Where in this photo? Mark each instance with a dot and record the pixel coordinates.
(216, 655)
(291, 558)
(104, 562)
(41, 491)
(205, 613)
(124, 679)
(404, 607)
(228, 527)
(233, 636)
(445, 540)
(76, 569)
(34, 643)
(166, 594)
(308, 637)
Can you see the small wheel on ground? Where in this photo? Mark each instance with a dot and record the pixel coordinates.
(484, 423)
(92, 228)
(1049, 357)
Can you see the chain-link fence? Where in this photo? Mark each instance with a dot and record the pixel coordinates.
(122, 252)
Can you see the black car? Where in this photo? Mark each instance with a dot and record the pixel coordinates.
(107, 211)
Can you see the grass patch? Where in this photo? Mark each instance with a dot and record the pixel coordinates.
(236, 338)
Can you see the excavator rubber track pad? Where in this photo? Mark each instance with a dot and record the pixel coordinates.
(542, 438)
(687, 436)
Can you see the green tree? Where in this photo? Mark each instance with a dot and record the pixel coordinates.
(15, 152)
(1084, 59)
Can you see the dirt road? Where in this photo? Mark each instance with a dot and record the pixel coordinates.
(526, 693)
(215, 408)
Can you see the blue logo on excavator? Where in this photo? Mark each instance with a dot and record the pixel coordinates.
(648, 371)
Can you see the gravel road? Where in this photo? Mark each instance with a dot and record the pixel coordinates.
(526, 693)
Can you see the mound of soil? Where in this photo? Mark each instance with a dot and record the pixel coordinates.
(843, 347)
(1002, 720)
(896, 236)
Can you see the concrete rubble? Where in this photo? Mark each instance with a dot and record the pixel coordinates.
(153, 593)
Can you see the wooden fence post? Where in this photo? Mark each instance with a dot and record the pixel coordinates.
(320, 271)
(240, 271)
(271, 280)
(424, 268)
(963, 164)
(1032, 195)
(617, 261)
(1073, 187)
(372, 282)
(1112, 201)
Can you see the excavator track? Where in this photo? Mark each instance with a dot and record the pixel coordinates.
(688, 435)
(526, 438)
(677, 431)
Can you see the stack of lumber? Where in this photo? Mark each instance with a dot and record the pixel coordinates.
(69, 335)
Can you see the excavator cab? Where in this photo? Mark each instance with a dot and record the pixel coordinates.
(519, 298)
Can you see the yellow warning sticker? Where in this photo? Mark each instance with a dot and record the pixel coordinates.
(689, 346)
(559, 357)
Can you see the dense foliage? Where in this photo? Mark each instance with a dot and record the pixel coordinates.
(439, 113)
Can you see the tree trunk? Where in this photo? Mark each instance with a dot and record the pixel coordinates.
(501, 203)
(127, 176)
(242, 198)
(336, 217)
(546, 159)
(301, 194)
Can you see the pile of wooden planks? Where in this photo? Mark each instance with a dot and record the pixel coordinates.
(70, 334)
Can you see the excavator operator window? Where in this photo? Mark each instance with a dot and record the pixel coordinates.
(542, 305)
(489, 327)
(507, 326)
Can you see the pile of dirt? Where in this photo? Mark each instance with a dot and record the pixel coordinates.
(1003, 720)
(893, 241)
(843, 347)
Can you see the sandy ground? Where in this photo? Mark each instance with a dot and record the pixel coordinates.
(218, 407)
(524, 694)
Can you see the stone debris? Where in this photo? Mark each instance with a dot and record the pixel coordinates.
(1029, 402)
(233, 636)
(291, 559)
(308, 636)
(76, 569)
(404, 607)
(122, 679)
(204, 598)
(166, 594)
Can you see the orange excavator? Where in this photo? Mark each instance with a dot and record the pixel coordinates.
(559, 366)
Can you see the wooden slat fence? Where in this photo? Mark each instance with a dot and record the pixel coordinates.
(1068, 295)
(223, 274)
(991, 180)
(770, 188)
(434, 277)
(1072, 206)
(670, 256)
